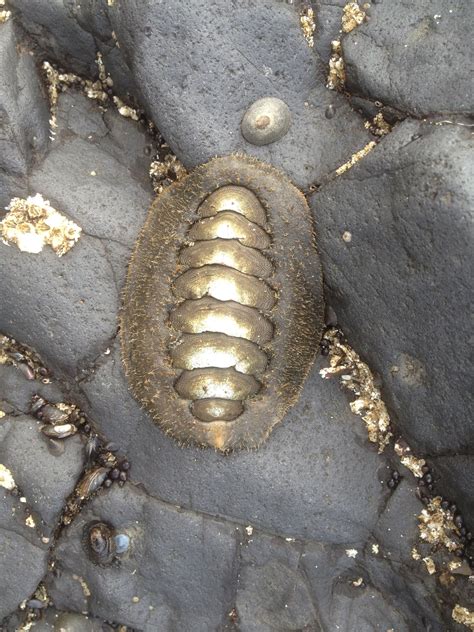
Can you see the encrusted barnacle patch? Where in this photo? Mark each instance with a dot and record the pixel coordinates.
(223, 308)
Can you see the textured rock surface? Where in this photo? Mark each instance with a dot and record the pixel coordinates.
(73, 300)
(328, 14)
(178, 574)
(45, 478)
(278, 487)
(303, 534)
(23, 555)
(23, 111)
(413, 56)
(198, 93)
(400, 287)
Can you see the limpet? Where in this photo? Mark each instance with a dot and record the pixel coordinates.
(223, 309)
(266, 121)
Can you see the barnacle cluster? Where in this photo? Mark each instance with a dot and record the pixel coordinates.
(4, 13)
(409, 460)
(357, 377)
(99, 90)
(165, 170)
(353, 15)
(337, 71)
(354, 159)
(437, 526)
(308, 25)
(464, 616)
(32, 223)
(443, 534)
(6, 478)
(378, 125)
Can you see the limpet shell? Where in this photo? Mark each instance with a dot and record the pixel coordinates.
(266, 121)
(223, 307)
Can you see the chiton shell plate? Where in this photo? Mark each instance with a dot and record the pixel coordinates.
(223, 305)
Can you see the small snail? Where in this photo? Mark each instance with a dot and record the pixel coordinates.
(103, 544)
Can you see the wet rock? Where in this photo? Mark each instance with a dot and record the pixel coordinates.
(214, 62)
(24, 115)
(45, 480)
(429, 40)
(73, 300)
(178, 575)
(56, 28)
(454, 476)
(396, 531)
(399, 280)
(272, 592)
(24, 556)
(16, 393)
(328, 14)
(355, 589)
(301, 482)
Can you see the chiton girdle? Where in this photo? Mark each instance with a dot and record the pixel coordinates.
(223, 310)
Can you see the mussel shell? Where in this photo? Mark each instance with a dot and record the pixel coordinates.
(37, 403)
(99, 542)
(60, 431)
(52, 415)
(26, 371)
(91, 481)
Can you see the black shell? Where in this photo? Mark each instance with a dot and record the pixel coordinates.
(99, 542)
(200, 264)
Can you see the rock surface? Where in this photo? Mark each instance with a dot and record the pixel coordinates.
(23, 110)
(303, 534)
(178, 574)
(400, 286)
(44, 477)
(413, 56)
(73, 301)
(197, 94)
(24, 556)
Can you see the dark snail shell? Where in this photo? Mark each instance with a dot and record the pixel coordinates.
(223, 306)
(99, 542)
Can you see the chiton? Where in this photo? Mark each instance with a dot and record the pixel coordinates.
(223, 309)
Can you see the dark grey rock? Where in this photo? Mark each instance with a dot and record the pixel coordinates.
(272, 592)
(377, 589)
(454, 478)
(24, 115)
(45, 480)
(300, 483)
(181, 566)
(16, 392)
(68, 305)
(200, 67)
(328, 16)
(24, 556)
(413, 56)
(401, 286)
(56, 28)
(396, 531)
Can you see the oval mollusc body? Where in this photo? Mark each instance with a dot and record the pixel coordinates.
(223, 308)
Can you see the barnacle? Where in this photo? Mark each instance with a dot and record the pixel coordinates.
(357, 377)
(353, 15)
(32, 223)
(337, 72)
(222, 309)
(308, 25)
